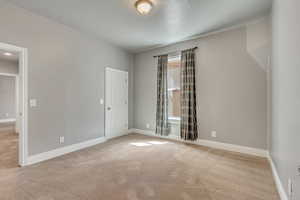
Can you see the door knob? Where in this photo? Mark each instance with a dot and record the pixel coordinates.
(108, 108)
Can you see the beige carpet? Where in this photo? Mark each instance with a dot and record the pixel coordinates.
(138, 167)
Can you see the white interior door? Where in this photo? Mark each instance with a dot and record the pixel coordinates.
(116, 106)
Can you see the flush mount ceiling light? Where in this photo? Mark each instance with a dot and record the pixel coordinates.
(7, 54)
(143, 6)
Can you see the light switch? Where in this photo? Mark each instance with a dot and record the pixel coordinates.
(61, 139)
(33, 103)
(101, 101)
(214, 134)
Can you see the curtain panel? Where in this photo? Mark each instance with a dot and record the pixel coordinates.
(162, 124)
(188, 123)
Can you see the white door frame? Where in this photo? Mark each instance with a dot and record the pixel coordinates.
(105, 106)
(23, 68)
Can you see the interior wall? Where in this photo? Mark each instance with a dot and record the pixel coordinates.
(66, 76)
(285, 148)
(231, 85)
(7, 97)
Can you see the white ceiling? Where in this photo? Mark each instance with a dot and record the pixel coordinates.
(170, 21)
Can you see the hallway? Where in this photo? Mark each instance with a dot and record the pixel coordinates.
(8, 149)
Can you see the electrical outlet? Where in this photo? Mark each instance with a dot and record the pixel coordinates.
(147, 125)
(214, 134)
(290, 187)
(6, 114)
(61, 139)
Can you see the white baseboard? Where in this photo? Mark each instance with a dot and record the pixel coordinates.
(280, 188)
(212, 144)
(7, 120)
(63, 150)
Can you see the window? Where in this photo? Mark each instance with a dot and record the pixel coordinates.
(174, 87)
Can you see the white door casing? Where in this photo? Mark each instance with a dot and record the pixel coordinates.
(116, 103)
(22, 117)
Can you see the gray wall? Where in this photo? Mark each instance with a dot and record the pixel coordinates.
(8, 67)
(66, 76)
(7, 97)
(231, 85)
(285, 149)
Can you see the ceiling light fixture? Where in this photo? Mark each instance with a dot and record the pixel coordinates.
(7, 54)
(143, 6)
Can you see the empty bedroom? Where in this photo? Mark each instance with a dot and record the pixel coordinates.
(149, 100)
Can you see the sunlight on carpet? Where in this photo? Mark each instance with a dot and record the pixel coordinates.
(143, 144)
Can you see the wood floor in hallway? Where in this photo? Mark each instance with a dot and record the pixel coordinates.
(137, 167)
(8, 150)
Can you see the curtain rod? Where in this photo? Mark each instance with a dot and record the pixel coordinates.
(174, 52)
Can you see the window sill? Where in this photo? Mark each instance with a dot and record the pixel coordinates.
(173, 89)
(174, 120)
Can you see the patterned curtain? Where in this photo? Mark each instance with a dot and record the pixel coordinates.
(188, 123)
(162, 125)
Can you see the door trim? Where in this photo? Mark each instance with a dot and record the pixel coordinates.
(116, 70)
(105, 91)
(23, 67)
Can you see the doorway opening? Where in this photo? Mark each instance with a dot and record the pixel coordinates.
(13, 106)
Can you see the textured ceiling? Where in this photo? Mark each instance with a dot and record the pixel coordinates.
(170, 21)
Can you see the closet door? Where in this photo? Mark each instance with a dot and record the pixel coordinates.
(116, 107)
